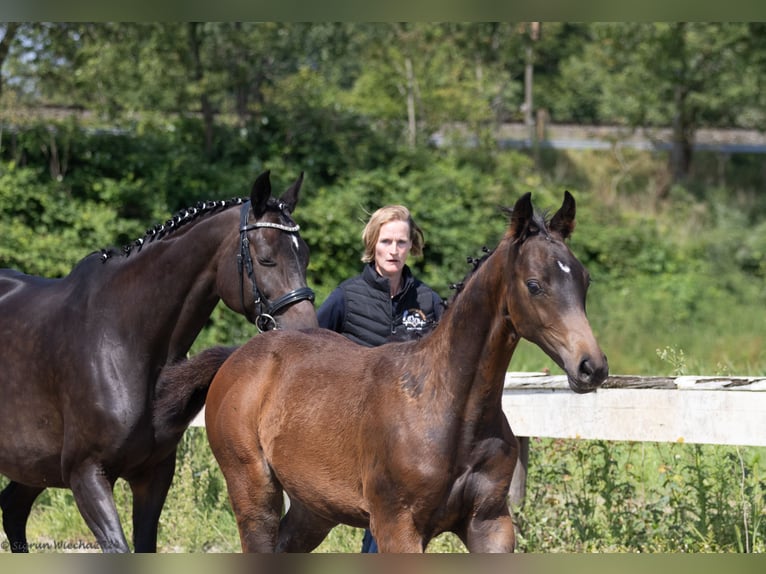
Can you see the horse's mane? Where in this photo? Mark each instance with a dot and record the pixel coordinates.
(179, 219)
(475, 264)
(540, 221)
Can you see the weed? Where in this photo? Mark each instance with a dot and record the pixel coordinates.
(619, 496)
(675, 357)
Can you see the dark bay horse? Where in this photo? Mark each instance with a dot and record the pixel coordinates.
(408, 438)
(80, 355)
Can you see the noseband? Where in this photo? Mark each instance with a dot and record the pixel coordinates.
(264, 310)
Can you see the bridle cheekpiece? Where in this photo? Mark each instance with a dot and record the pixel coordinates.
(264, 310)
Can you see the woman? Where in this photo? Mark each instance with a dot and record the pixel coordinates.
(386, 301)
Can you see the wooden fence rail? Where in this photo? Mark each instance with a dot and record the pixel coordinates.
(710, 410)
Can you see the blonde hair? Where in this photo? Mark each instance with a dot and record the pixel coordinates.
(385, 215)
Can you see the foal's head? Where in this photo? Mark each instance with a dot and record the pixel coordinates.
(547, 290)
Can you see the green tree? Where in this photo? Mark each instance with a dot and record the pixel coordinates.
(565, 101)
(419, 78)
(684, 75)
(9, 31)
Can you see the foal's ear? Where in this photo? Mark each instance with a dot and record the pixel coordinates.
(521, 217)
(290, 196)
(564, 220)
(259, 195)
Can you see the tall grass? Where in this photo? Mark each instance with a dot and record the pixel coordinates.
(599, 496)
(582, 496)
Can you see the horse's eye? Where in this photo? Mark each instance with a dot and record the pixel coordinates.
(534, 287)
(266, 262)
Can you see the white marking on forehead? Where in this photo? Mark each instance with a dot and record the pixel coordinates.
(294, 239)
(564, 267)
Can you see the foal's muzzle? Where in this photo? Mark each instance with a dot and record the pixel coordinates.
(591, 374)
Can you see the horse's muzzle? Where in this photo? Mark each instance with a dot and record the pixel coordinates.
(591, 374)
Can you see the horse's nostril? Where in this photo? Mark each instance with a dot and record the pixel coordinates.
(586, 369)
(593, 372)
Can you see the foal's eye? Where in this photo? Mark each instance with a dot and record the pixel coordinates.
(534, 287)
(266, 262)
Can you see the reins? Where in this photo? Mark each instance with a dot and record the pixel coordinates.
(264, 310)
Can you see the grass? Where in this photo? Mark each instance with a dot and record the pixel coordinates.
(599, 496)
(582, 496)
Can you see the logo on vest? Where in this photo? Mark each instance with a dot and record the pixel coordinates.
(414, 320)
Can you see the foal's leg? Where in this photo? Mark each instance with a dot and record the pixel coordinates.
(256, 499)
(301, 530)
(489, 526)
(92, 492)
(150, 489)
(396, 532)
(495, 534)
(16, 503)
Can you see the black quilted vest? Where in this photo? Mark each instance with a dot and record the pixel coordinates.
(372, 315)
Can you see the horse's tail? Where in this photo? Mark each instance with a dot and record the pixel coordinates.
(182, 389)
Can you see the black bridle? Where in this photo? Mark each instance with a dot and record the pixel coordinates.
(264, 311)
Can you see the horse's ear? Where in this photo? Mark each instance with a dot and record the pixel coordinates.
(564, 220)
(290, 196)
(259, 195)
(521, 217)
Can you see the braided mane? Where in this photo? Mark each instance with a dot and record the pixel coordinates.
(179, 219)
(475, 263)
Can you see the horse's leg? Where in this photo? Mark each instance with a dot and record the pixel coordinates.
(256, 499)
(150, 489)
(396, 532)
(495, 534)
(301, 530)
(490, 528)
(16, 503)
(93, 494)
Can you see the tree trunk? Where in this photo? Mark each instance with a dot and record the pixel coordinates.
(198, 73)
(683, 122)
(683, 138)
(241, 87)
(411, 120)
(11, 28)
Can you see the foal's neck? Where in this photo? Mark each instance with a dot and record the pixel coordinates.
(479, 332)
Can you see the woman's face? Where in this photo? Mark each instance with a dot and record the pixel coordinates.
(392, 248)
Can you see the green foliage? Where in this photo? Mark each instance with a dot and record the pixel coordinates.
(116, 185)
(197, 515)
(695, 69)
(750, 253)
(307, 123)
(454, 201)
(598, 496)
(45, 230)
